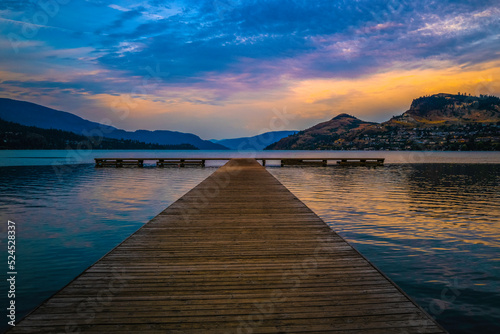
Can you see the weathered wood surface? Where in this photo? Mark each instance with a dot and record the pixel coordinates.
(239, 253)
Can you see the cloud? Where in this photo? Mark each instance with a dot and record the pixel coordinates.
(459, 24)
(124, 17)
(326, 38)
(118, 7)
(245, 56)
(380, 95)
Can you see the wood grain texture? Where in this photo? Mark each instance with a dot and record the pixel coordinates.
(239, 253)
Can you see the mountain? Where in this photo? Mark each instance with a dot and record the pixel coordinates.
(14, 136)
(166, 137)
(321, 135)
(256, 143)
(450, 109)
(437, 122)
(31, 114)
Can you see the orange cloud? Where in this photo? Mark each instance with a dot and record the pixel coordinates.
(374, 97)
(381, 94)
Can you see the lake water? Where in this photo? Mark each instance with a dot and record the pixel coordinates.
(429, 220)
(62, 157)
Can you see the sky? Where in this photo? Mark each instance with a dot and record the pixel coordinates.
(233, 68)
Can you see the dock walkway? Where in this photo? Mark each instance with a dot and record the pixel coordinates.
(183, 162)
(239, 253)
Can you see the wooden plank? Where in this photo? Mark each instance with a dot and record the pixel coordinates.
(239, 253)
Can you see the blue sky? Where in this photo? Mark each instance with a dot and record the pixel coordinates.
(232, 68)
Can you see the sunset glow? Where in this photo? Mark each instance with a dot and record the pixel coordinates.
(221, 69)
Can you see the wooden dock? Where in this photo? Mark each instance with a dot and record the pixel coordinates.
(239, 253)
(183, 162)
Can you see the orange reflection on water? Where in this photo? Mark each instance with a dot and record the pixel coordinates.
(396, 202)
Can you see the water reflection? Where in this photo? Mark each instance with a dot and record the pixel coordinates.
(65, 222)
(433, 228)
(430, 227)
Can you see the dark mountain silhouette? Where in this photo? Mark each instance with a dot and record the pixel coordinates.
(14, 136)
(256, 143)
(31, 114)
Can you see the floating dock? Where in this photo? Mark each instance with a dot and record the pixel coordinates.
(239, 253)
(183, 162)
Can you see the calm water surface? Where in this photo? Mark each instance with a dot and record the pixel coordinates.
(433, 228)
(58, 157)
(65, 222)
